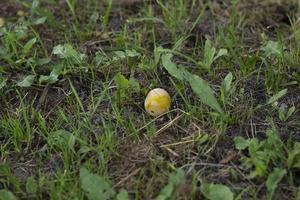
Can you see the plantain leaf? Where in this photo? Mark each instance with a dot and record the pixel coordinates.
(95, 186)
(3, 81)
(176, 179)
(277, 96)
(7, 195)
(273, 179)
(226, 84)
(199, 86)
(28, 46)
(172, 67)
(216, 192)
(204, 92)
(27, 81)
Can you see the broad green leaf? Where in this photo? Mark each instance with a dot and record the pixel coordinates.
(199, 86)
(227, 82)
(258, 158)
(122, 195)
(101, 59)
(294, 156)
(132, 53)
(235, 2)
(241, 143)
(172, 68)
(95, 186)
(297, 165)
(281, 112)
(204, 92)
(84, 149)
(27, 47)
(10, 176)
(94, 18)
(121, 81)
(203, 138)
(35, 4)
(176, 179)
(277, 96)
(42, 61)
(157, 54)
(21, 32)
(119, 54)
(59, 50)
(40, 20)
(3, 81)
(262, 154)
(62, 139)
(273, 179)
(7, 195)
(209, 54)
(3, 50)
(125, 86)
(222, 52)
(134, 84)
(52, 78)
(272, 48)
(67, 52)
(216, 192)
(290, 112)
(274, 140)
(127, 54)
(27, 81)
(52, 21)
(31, 185)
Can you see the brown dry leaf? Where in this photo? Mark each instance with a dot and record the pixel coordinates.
(232, 155)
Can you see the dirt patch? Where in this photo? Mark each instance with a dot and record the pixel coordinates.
(133, 155)
(9, 9)
(53, 164)
(131, 167)
(22, 166)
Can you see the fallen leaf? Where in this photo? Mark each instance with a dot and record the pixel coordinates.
(232, 155)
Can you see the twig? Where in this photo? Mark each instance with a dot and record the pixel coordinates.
(123, 180)
(176, 143)
(172, 152)
(168, 125)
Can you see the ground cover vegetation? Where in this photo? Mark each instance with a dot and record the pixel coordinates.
(74, 75)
